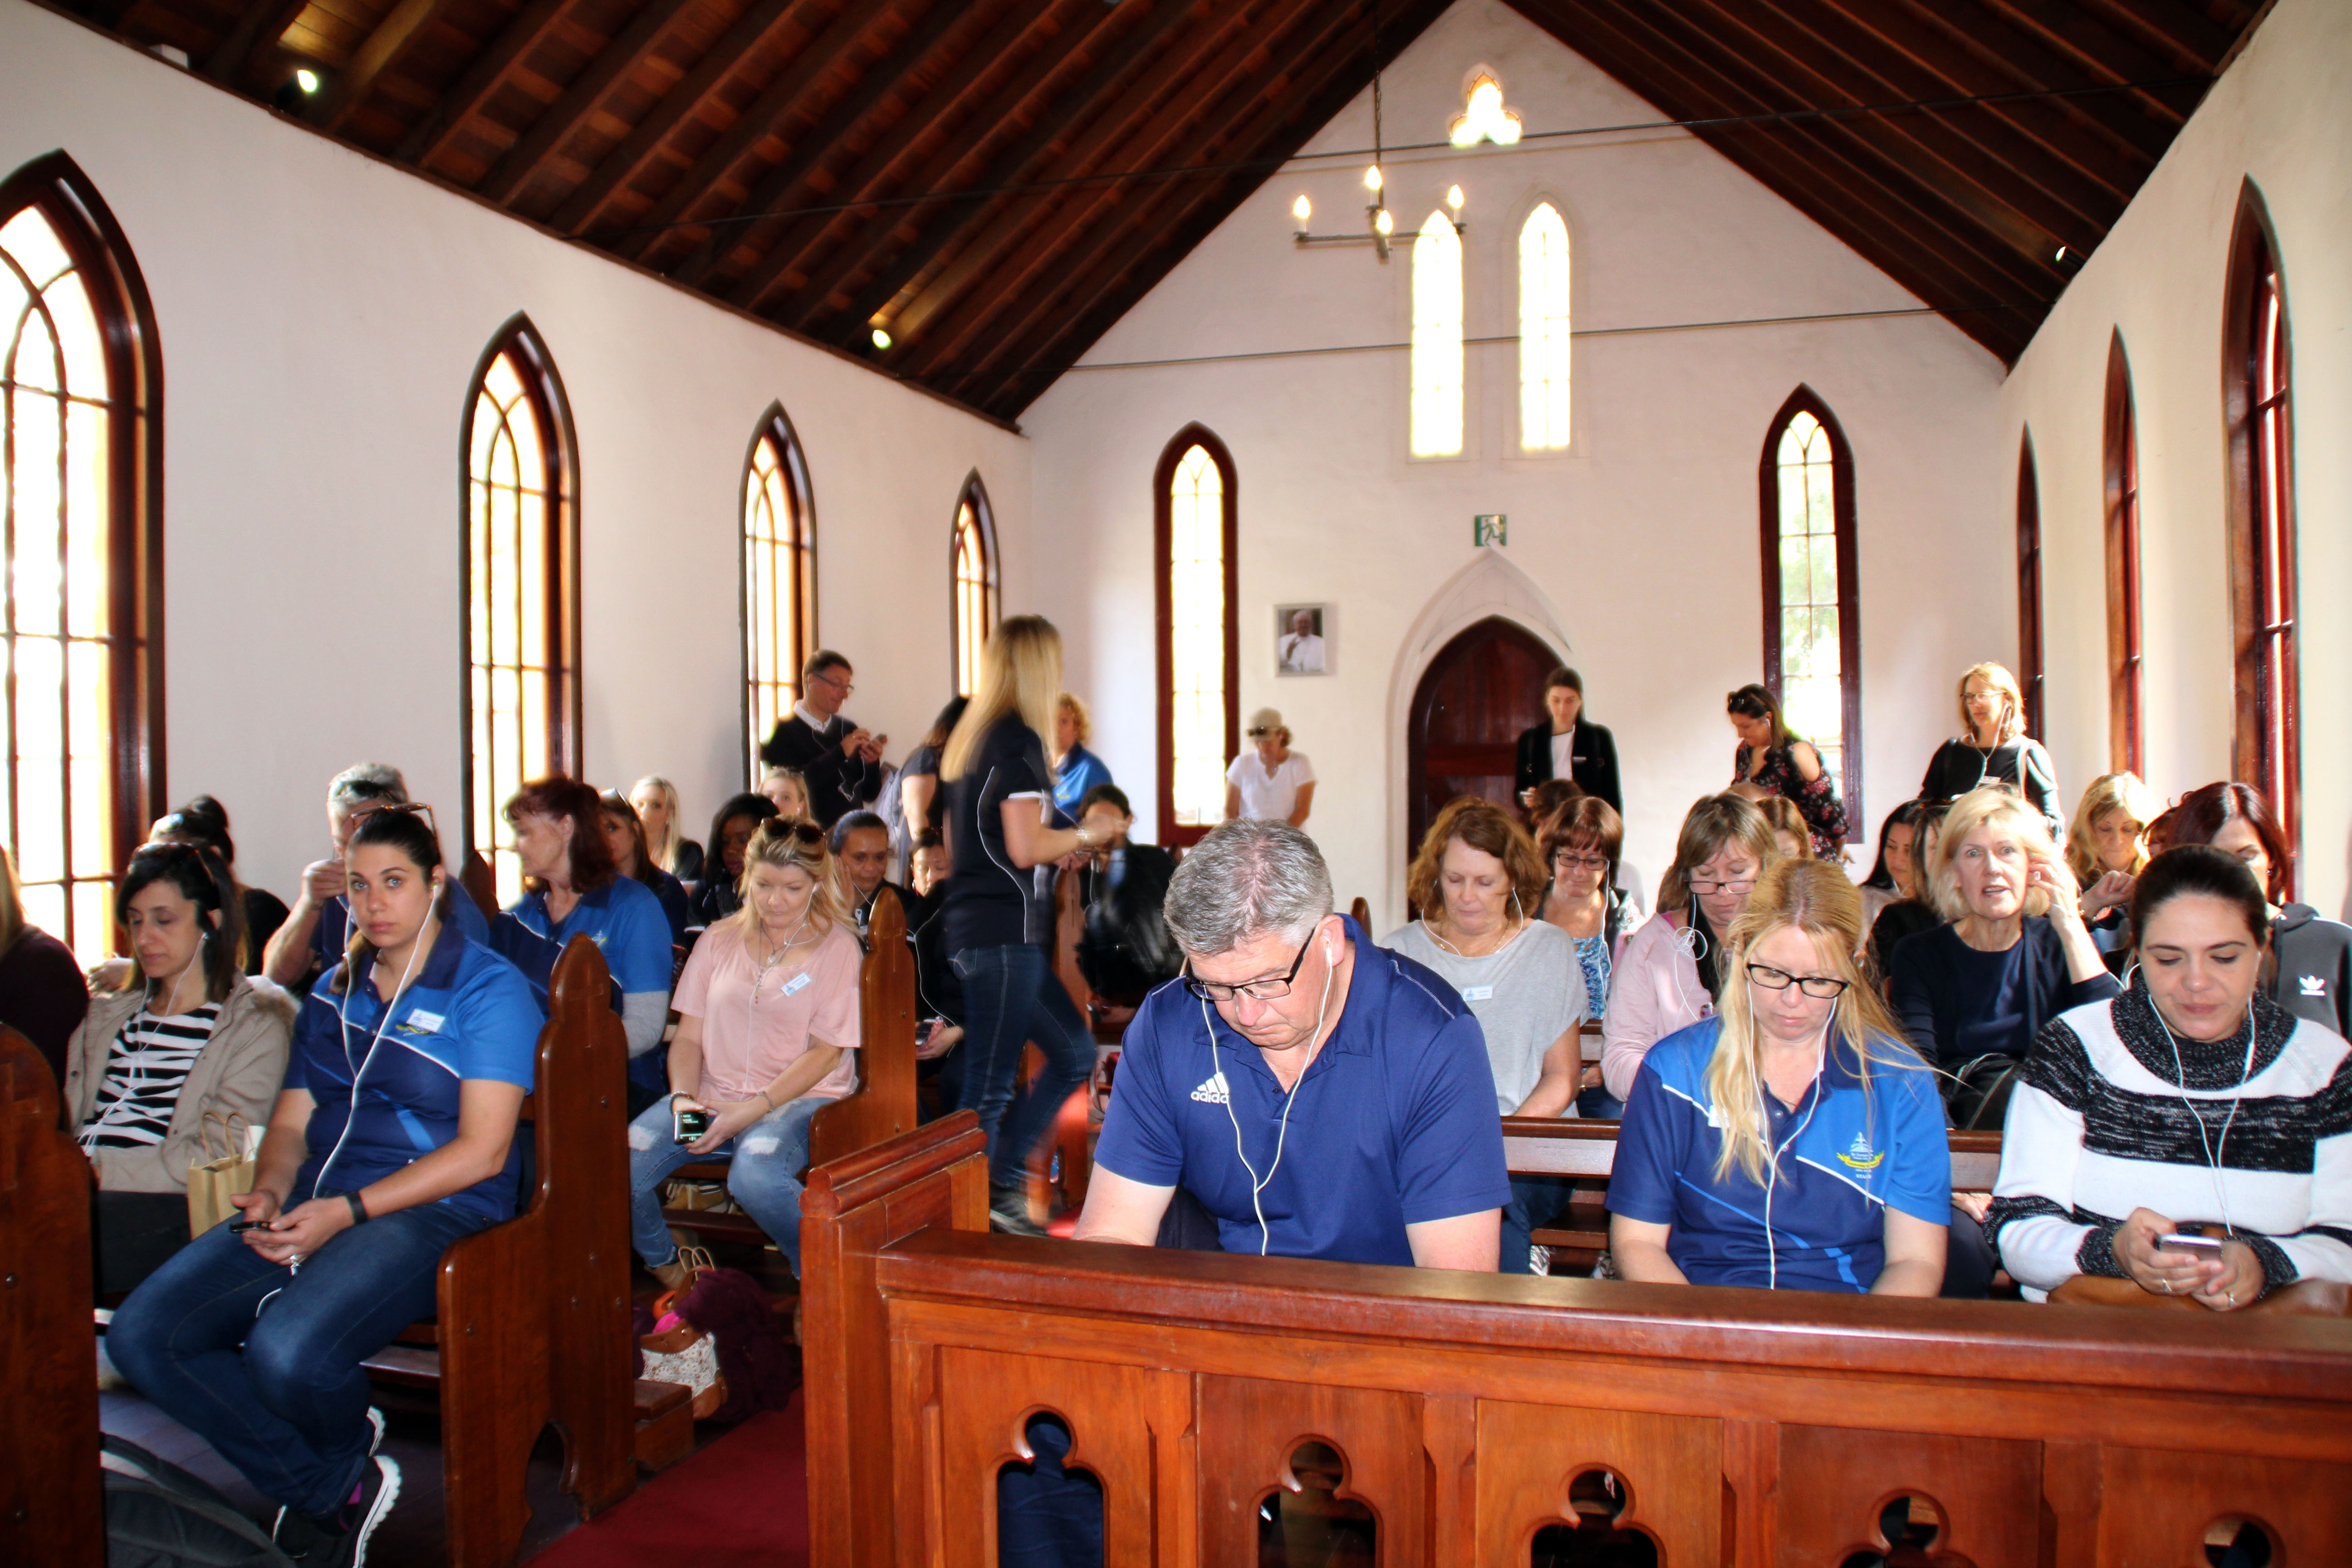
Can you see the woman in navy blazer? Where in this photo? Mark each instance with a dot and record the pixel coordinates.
(1591, 750)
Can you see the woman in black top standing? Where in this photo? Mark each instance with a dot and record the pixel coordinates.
(998, 912)
(1994, 748)
(1569, 746)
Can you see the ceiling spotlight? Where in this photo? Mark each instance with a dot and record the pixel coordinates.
(1383, 222)
(1373, 178)
(307, 79)
(881, 337)
(2061, 256)
(1302, 209)
(1454, 199)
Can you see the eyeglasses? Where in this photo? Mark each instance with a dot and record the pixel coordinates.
(832, 678)
(1568, 860)
(1820, 987)
(1736, 885)
(1255, 990)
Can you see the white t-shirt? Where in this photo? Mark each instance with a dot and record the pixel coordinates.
(1563, 757)
(1276, 795)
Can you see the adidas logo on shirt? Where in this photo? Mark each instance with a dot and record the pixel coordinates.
(1214, 1092)
(2313, 986)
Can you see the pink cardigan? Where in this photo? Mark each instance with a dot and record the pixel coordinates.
(1654, 992)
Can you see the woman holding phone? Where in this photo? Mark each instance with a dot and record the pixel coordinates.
(2188, 1135)
(767, 1016)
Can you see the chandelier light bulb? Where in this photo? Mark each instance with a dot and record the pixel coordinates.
(881, 337)
(1302, 209)
(1384, 222)
(1373, 179)
(307, 79)
(1454, 199)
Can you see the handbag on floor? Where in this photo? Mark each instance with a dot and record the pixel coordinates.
(160, 1516)
(677, 1352)
(225, 1174)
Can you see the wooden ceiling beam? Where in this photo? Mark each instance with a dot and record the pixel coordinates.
(2072, 40)
(259, 27)
(1235, 58)
(749, 34)
(782, 238)
(784, 95)
(520, 163)
(348, 89)
(482, 77)
(2190, 33)
(888, 72)
(933, 229)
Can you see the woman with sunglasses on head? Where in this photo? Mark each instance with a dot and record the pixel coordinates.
(185, 1040)
(1580, 842)
(1771, 760)
(1793, 1141)
(1671, 970)
(393, 1137)
(2189, 1135)
(1277, 784)
(767, 1016)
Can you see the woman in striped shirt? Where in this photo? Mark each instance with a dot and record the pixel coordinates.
(2190, 1102)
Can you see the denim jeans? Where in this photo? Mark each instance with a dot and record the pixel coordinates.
(1536, 1201)
(1010, 996)
(263, 1361)
(763, 1173)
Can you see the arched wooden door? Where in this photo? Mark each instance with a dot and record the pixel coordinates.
(1463, 730)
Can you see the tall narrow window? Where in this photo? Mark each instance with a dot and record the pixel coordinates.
(779, 578)
(1543, 330)
(1437, 339)
(2125, 742)
(1199, 637)
(2268, 749)
(81, 536)
(2028, 586)
(972, 608)
(1812, 629)
(522, 591)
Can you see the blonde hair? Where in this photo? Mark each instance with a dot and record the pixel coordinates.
(661, 851)
(1816, 898)
(1072, 704)
(1020, 672)
(11, 901)
(2108, 793)
(2012, 712)
(789, 844)
(2001, 809)
(1782, 813)
(1715, 823)
(1482, 825)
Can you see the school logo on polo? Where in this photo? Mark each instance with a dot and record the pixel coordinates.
(1214, 1092)
(1858, 1155)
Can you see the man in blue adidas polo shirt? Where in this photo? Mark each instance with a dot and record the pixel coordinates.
(1321, 1096)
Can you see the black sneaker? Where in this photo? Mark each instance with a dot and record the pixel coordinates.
(296, 1534)
(1008, 1212)
(379, 1489)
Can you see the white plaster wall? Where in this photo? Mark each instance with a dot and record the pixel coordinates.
(2280, 116)
(1644, 537)
(321, 314)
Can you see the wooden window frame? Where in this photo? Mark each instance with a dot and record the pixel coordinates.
(1806, 400)
(2030, 656)
(544, 387)
(1163, 523)
(2263, 571)
(134, 366)
(776, 425)
(974, 491)
(2126, 650)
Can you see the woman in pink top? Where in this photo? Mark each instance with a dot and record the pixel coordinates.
(1666, 980)
(767, 1017)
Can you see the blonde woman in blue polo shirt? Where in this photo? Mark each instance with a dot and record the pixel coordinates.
(1794, 1141)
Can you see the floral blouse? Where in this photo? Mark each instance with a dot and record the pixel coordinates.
(1816, 802)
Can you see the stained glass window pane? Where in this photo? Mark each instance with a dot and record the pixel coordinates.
(1543, 330)
(1436, 415)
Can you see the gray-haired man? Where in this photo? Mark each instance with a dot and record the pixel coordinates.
(1320, 1096)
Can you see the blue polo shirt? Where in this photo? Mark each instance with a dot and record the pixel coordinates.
(1852, 1150)
(625, 920)
(1394, 1122)
(332, 934)
(468, 1015)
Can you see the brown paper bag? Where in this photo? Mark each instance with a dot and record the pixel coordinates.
(225, 1174)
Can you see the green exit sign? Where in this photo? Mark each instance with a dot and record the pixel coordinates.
(1490, 528)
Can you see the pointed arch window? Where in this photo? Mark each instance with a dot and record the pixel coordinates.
(2126, 744)
(1543, 330)
(2028, 586)
(779, 577)
(1437, 412)
(1195, 506)
(2267, 750)
(522, 590)
(80, 543)
(1813, 625)
(972, 607)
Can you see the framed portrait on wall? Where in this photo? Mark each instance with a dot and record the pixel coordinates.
(1303, 639)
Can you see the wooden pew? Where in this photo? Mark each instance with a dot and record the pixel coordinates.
(50, 1509)
(533, 1323)
(1470, 1412)
(881, 1106)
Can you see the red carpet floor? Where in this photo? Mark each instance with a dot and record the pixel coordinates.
(740, 1500)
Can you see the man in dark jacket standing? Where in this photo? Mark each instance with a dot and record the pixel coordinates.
(841, 762)
(1569, 746)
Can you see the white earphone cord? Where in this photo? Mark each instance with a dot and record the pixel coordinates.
(1282, 1133)
(2213, 1156)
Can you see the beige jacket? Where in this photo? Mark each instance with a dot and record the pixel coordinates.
(238, 1072)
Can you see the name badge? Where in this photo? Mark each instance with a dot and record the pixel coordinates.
(795, 982)
(424, 1023)
(1477, 993)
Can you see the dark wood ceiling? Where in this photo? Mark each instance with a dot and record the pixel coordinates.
(997, 181)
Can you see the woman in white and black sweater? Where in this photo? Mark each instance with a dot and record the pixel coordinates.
(2190, 1101)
